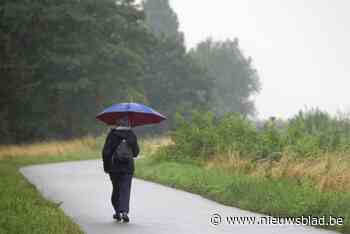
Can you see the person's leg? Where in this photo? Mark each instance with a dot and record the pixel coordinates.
(125, 187)
(115, 193)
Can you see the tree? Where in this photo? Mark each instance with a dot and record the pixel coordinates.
(161, 19)
(62, 61)
(233, 76)
(172, 79)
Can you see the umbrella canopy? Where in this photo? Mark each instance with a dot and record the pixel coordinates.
(138, 114)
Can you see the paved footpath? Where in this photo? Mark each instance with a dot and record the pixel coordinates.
(84, 193)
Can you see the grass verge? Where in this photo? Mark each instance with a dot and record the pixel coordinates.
(22, 208)
(272, 196)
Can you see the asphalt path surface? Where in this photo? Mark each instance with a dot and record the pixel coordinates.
(83, 191)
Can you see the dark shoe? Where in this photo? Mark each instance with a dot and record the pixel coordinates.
(125, 217)
(117, 217)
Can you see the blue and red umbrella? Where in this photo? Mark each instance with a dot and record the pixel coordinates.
(138, 114)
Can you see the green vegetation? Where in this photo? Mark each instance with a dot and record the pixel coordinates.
(172, 80)
(233, 76)
(308, 134)
(291, 168)
(161, 19)
(62, 62)
(22, 208)
(289, 185)
(274, 197)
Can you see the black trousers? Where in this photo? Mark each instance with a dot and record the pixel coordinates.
(121, 191)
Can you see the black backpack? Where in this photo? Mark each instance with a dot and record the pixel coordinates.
(123, 154)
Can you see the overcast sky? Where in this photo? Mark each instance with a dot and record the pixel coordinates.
(299, 47)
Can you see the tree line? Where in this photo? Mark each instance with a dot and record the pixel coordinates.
(64, 61)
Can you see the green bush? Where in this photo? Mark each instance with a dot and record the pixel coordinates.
(309, 133)
(314, 132)
(196, 138)
(270, 140)
(237, 134)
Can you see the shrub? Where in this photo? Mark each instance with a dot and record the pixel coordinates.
(196, 137)
(237, 134)
(307, 134)
(314, 132)
(270, 140)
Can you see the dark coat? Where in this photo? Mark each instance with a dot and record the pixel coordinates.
(113, 139)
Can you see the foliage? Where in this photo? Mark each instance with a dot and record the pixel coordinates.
(233, 76)
(314, 130)
(271, 140)
(309, 134)
(172, 80)
(214, 76)
(203, 135)
(236, 134)
(63, 61)
(161, 19)
(197, 138)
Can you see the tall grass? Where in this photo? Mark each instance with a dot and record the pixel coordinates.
(50, 148)
(151, 144)
(329, 172)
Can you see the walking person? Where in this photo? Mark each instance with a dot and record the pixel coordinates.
(118, 155)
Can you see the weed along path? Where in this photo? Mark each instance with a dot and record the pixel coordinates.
(83, 191)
